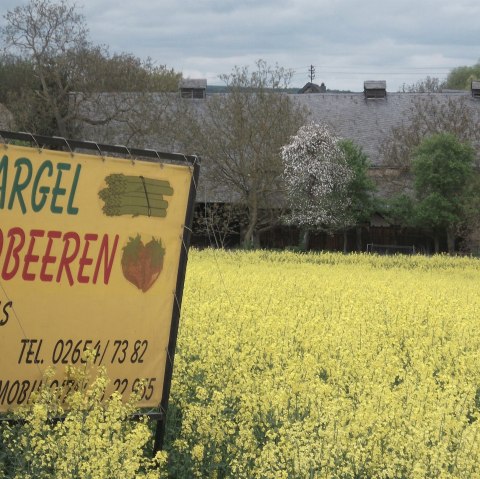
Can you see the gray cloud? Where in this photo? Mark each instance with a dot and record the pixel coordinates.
(347, 40)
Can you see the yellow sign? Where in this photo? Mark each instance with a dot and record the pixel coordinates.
(89, 257)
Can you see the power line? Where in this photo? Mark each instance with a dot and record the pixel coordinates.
(338, 70)
(350, 68)
(378, 72)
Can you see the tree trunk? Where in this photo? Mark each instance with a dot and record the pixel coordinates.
(304, 240)
(248, 237)
(249, 240)
(256, 239)
(358, 237)
(436, 240)
(345, 240)
(52, 103)
(451, 241)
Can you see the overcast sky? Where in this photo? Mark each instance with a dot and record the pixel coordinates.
(347, 41)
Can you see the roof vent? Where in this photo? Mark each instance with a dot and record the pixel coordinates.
(476, 89)
(193, 88)
(374, 89)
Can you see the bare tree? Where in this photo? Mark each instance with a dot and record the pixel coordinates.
(51, 37)
(240, 134)
(430, 114)
(428, 85)
(219, 222)
(69, 75)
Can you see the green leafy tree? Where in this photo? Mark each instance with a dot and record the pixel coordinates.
(443, 170)
(460, 78)
(18, 82)
(125, 72)
(360, 189)
(16, 74)
(470, 231)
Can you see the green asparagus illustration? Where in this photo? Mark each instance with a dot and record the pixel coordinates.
(135, 196)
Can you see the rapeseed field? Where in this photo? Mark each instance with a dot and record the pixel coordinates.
(327, 366)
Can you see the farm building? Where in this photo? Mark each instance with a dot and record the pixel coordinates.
(367, 118)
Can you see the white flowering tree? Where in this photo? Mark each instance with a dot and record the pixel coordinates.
(317, 176)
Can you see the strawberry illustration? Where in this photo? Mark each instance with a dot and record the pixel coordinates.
(142, 264)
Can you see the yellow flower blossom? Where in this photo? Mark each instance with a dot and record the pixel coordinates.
(326, 365)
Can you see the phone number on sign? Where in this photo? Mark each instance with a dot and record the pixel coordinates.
(69, 351)
(116, 351)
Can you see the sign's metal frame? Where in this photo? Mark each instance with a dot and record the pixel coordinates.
(80, 146)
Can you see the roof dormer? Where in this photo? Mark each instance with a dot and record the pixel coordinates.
(375, 89)
(476, 89)
(193, 88)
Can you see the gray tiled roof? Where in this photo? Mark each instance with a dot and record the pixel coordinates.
(349, 116)
(193, 83)
(375, 84)
(367, 122)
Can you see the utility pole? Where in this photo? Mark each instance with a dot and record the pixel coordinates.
(311, 71)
